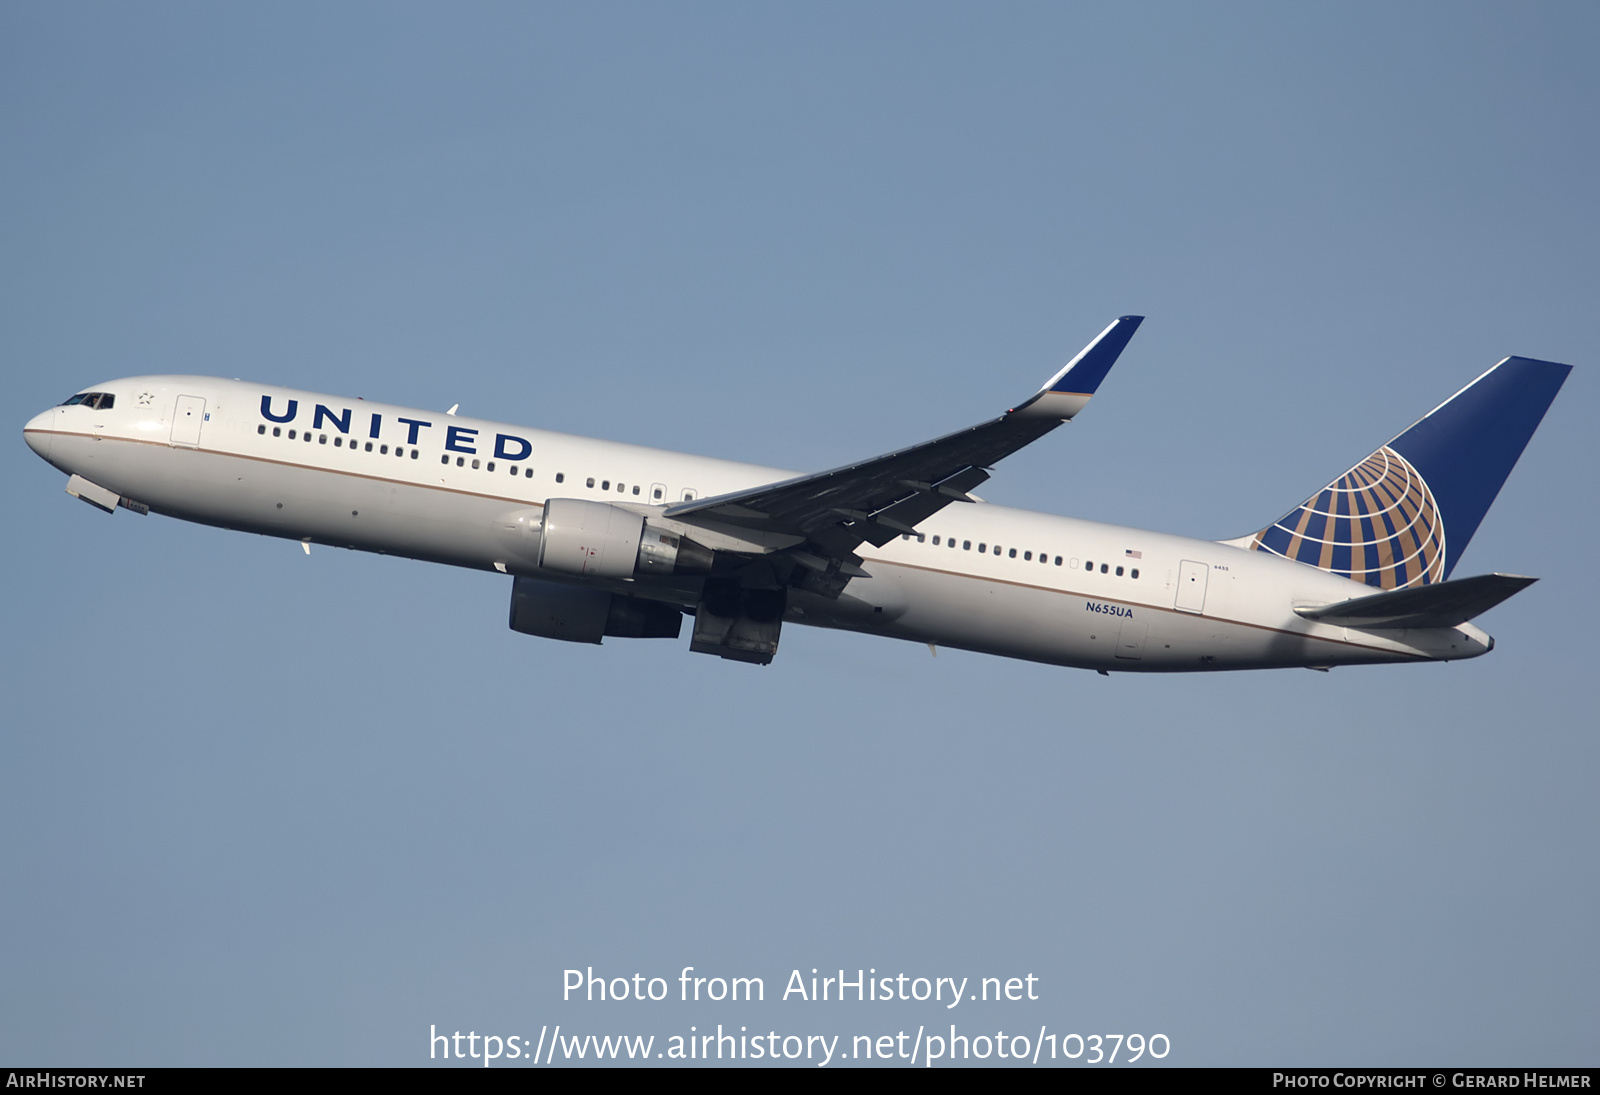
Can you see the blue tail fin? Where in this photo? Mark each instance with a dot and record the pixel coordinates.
(1403, 516)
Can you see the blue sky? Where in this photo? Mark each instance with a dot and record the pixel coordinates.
(262, 808)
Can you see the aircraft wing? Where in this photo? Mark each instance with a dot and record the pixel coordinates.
(1442, 604)
(878, 499)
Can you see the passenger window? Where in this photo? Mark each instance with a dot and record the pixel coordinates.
(605, 484)
(936, 541)
(589, 482)
(444, 459)
(688, 494)
(656, 494)
(322, 439)
(1135, 573)
(306, 437)
(966, 545)
(338, 442)
(1027, 556)
(1102, 568)
(490, 466)
(474, 463)
(560, 477)
(1088, 566)
(383, 450)
(413, 454)
(528, 474)
(277, 431)
(291, 435)
(1013, 554)
(982, 548)
(951, 543)
(921, 538)
(369, 448)
(261, 429)
(1058, 561)
(461, 461)
(1119, 572)
(636, 489)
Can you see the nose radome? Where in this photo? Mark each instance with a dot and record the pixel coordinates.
(37, 432)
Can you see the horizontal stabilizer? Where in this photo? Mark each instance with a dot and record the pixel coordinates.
(1443, 604)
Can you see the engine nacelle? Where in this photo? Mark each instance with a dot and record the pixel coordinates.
(577, 614)
(592, 539)
(600, 540)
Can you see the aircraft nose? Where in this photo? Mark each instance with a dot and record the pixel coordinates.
(37, 432)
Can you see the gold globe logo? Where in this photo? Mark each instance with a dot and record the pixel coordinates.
(1377, 523)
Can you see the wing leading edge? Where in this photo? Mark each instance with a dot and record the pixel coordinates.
(875, 500)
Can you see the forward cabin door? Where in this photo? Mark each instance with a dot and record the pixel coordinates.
(1191, 586)
(187, 419)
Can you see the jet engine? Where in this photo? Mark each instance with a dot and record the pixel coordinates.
(577, 614)
(600, 540)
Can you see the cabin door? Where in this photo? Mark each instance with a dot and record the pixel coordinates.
(187, 418)
(1191, 587)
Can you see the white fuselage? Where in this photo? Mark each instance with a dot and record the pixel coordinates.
(427, 485)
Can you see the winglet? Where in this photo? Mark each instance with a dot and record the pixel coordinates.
(1066, 393)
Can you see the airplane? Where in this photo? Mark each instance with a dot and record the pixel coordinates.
(602, 539)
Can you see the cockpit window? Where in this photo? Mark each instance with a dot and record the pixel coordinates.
(99, 400)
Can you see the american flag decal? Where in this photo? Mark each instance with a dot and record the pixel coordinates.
(1131, 554)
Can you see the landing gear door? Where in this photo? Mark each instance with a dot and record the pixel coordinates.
(1191, 586)
(187, 418)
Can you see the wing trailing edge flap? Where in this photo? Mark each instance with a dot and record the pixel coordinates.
(1442, 604)
(875, 500)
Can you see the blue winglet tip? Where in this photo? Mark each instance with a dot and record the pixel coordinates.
(1090, 368)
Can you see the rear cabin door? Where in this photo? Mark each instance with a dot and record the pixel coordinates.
(187, 419)
(1191, 586)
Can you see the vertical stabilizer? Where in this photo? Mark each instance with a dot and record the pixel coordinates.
(1403, 516)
